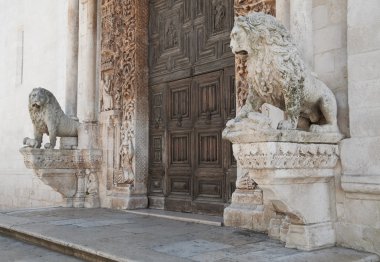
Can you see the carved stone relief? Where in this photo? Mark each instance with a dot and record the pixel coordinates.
(118, 83)
(243, 7)
(220, 10)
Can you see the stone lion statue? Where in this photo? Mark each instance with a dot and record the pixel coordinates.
(278, 76)
(48, 118)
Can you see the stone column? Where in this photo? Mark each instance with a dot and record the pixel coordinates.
(72, 58)
(87, 133)
(71, 69)
(283, 12)
(301, 28)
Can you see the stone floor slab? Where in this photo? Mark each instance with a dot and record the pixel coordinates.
(111, 235)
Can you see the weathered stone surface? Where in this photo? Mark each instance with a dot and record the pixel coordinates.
(61, 159)
(282, 155)
(72, 173)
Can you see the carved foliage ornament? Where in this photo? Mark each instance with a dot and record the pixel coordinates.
(118, 81)
(243, 7)
(286, 155)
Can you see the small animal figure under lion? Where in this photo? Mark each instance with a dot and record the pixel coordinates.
(48, 118)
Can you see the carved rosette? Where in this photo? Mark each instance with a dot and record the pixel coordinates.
(282, 155)
(243, 7)
(119, 76)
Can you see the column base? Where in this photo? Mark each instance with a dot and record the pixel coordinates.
(246, 211)
(310, 237)
(92, 202)
(129, 202)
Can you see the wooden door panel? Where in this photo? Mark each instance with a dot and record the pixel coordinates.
(191, 98)
(207, 189)
(212, 25)
(180, 150)
(207, 89)
(179, 104)
(170, 36)
(209, 149)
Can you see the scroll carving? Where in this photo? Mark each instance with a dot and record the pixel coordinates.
(118, 76)
(243, 7)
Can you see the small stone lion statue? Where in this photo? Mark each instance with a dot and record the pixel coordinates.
(48, 118)
(277, 76)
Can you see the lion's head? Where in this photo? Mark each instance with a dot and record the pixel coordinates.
(38, 98)
(253, 31)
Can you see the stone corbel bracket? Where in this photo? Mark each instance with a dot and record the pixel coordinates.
(67, 172)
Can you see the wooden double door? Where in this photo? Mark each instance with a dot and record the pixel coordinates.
(192, 95)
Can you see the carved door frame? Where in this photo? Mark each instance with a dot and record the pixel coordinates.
(123, 45)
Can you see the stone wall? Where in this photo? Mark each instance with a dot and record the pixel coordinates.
(330, 51)
(358, 200)
(32, 49)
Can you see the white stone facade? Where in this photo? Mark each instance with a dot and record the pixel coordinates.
(345, 54)
(33, 52)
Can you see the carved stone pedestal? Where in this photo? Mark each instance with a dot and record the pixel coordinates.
(72, 173)
(296, 181)
(246, 210)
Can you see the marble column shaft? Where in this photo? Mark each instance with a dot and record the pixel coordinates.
(72, 57)
(87, 61)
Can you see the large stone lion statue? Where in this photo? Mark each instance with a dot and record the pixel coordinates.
(48, 118)
(278, 76)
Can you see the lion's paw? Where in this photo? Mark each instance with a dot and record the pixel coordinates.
(48, 146)
(324, 129)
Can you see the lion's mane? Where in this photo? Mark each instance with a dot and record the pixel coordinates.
(278, 66)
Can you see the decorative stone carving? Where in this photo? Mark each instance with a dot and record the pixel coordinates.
(244, 7)
(219, 15)
(64, 171)
(277, 76)
(286, 155)
(127, 153)
(293, 169)
(246, 182)
(106, 98)
(171, 35)
(118, 69)
(48, 118)
(124, 63)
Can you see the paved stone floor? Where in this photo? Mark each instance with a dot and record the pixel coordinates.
(12, 250)
(122, 236)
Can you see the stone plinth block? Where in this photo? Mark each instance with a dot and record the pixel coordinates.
(68, 143)
(246, 210)
(295, 179)
(129, 201)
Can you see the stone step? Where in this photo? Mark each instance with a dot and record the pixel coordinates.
(110, 235)
(179, 216)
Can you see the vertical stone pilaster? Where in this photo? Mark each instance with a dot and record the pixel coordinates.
(124, 100)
